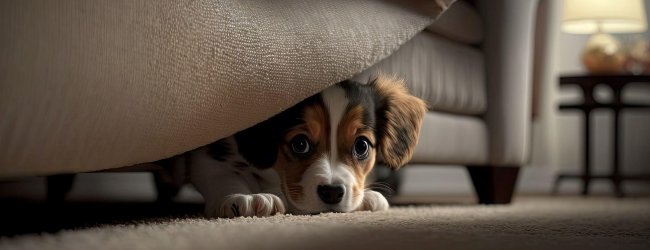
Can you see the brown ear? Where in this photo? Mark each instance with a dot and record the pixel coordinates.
(399, 118)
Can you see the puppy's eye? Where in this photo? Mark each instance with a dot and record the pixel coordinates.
(361, 148)
(300, 144)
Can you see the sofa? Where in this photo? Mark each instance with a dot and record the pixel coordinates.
(473, 66)
(90, 86)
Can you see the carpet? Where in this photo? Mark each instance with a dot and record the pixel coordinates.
(528, 223)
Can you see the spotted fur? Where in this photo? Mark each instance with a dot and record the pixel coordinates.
(264, 170)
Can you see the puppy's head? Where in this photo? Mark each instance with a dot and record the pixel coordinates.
(324, 147)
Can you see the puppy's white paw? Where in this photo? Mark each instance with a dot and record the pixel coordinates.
(373, 201)
(249, 205)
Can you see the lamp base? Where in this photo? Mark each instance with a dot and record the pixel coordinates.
(602, 55)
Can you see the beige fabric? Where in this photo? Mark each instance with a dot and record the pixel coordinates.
(460, 23)
(508, 53)
(504, 100)
(90, 85)
(449, 76)
(452, 139)
(529, 223)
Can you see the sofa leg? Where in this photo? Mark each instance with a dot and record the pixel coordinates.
(166, 190)
(494, 185)
(58, 187)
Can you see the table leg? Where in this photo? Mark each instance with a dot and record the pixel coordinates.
(616, 176)
(586, 175)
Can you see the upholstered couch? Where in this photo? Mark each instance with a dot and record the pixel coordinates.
(473, 66)
(89, 86)
(94, 85)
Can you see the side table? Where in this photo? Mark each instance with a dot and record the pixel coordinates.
(588, 83)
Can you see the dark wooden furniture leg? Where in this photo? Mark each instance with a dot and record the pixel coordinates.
(494, 185)
(586, 174)
(166, 190)
(58, 186)
(616, 174)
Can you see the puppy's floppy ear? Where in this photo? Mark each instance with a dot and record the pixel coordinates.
(399, 118)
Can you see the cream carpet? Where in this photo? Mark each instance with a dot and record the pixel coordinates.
(529, 223)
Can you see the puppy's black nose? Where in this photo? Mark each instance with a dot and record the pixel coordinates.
(331, 194)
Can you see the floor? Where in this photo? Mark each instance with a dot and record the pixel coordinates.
(531, 222)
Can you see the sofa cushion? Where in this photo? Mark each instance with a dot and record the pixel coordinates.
(452, 139)
(461, 23)
(91, 85)
(449, 76)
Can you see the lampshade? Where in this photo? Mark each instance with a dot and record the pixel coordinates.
(610, 16)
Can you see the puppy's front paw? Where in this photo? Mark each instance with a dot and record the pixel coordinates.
(251, 205)
(373, 201)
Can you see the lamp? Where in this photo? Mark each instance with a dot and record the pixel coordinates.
(599, 17)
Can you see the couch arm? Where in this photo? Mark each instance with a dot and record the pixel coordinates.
(508, 52)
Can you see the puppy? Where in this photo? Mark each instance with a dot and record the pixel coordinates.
(313, 157)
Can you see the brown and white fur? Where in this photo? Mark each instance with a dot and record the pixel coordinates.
(313, 157)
